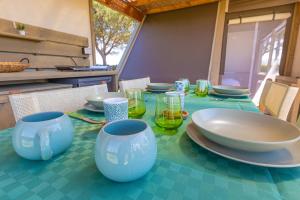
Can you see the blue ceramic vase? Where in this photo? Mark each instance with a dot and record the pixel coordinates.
(43, 135)
(125, 150)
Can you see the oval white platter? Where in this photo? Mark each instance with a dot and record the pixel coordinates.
(283, 158)
(243, 130)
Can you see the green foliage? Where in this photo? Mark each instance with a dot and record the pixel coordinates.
(112, 29)
(20, 26)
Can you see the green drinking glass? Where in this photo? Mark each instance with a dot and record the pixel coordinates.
(136, 103)
(202, 88)
(168, 113)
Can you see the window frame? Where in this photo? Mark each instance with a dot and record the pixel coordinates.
(285, 60)
(129, 45)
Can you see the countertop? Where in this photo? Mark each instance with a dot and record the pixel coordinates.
(39, 75)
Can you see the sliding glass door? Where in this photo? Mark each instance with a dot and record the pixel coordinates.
(255, 46)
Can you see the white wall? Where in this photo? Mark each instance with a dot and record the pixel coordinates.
(69, 16)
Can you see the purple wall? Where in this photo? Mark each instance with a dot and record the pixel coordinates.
(173, 44)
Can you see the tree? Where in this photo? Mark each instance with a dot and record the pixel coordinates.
(112, 30)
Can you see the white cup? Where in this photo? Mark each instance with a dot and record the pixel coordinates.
(115, 109)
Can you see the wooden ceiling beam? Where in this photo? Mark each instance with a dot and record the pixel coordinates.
(143, 2)
(124, 7)
(175, 6)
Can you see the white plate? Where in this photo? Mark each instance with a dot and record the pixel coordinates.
(153, 90)
(247, 131)
(92, 108)
(97, 100)
(159, 86)
(223, 89)
(212, 92)
(284, 158)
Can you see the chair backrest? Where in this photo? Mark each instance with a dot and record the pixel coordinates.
(140, 83)
(288, 103)
(294, 82)
(264, 94)
(298, 122)
(277, 99)
(64, 100)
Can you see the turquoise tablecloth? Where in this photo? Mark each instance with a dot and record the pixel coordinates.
(183, 170)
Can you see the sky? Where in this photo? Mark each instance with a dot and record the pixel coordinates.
(111, 59)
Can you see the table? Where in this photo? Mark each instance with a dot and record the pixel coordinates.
(183, 170)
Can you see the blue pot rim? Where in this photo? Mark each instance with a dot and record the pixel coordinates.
(25, 118)
(127, 135)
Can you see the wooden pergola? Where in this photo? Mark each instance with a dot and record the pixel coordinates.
(137, 9)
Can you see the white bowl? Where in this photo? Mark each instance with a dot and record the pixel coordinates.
(246, 131)
(233, 90)
(97, 100)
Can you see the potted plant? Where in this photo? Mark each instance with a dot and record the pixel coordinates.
(20, 27)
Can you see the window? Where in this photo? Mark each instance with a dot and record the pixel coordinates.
(113, 32)
(256, 46)
(271, 49)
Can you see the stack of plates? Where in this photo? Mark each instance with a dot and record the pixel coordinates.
(230, 91)
(95, 102)
(92, 108)
(159, 87)
(246, 137)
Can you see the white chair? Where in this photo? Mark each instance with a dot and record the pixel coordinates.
(64, 100)
(277, 99)
(295, 82)
(288, 102)
(264, 93)
(134, 83)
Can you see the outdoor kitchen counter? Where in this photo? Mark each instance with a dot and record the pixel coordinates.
(41, 75)
(33, 81)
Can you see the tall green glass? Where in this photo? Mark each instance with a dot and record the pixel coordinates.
(202, 88)
(168, 113)
(136, 103)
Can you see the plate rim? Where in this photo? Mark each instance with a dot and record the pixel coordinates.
(232, 88)
(164, 85)
(170, 84)
(213, 92)
(230, 157)
(158, 90)
(241, 140)
(85, 106)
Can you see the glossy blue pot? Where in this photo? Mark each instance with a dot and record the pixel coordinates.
(43, 135)
(125, 150)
